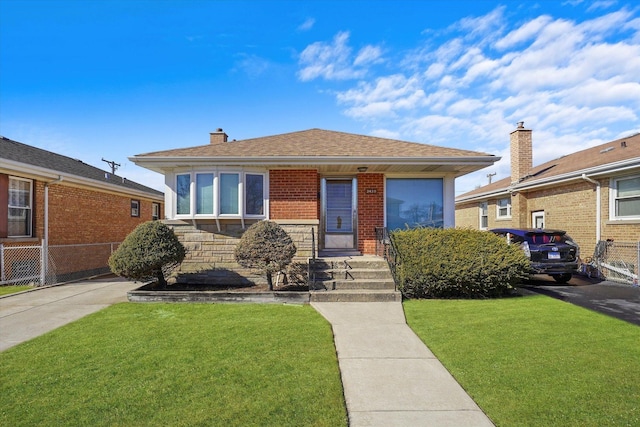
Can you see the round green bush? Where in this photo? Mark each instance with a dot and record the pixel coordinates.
(265, 246)
(457, 263)
(150, 251)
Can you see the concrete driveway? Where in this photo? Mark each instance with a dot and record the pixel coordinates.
(611, 298)
(29, 314)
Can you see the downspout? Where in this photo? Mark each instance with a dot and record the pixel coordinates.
(46, 208)
(45, 246)
(598, 206)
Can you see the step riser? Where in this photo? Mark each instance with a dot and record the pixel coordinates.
(346, 284)
(353, 275)
(355, 297)
(374, 265)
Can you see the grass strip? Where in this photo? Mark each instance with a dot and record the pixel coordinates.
(178, 365)
(536, 361)
(6, 290)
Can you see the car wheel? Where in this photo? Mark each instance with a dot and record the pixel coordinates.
(562, 278)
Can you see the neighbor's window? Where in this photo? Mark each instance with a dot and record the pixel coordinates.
(20, 203)
(504, 208)
(135, 208)
(484, 215)
(414, 202)
(155, 211)
(626, 198)
(229, 193)
(183, 194)
(254, 194)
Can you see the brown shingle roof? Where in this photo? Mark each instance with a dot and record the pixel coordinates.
(591, 159)
(315, 143)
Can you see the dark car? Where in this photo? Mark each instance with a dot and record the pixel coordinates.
(551, 252)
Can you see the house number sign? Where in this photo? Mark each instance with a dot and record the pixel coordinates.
(372, 190)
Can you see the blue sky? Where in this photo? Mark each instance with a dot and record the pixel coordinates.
(95, 79)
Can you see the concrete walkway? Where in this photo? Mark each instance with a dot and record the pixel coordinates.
(29, 314)
(390, 377)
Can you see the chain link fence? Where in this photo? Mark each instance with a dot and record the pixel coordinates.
(616, 261)
(38, 265)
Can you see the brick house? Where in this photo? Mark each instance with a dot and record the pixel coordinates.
(593, 194)
(329, 190)
(58, 201)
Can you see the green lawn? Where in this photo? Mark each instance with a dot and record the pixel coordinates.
(536, 361)
(179, 365)
(6, 290)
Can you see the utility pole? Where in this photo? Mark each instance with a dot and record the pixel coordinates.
(491, 175)
(113, 165)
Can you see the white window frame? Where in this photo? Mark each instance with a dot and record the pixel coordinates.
(135, 208)
(507, 207)
(534, 216)
(27, 209)
(483, 209)
(613, 198)
(155, 211)
(217, 172)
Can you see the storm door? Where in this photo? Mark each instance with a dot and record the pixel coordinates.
(339, 213)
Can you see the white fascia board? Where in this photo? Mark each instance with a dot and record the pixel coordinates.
(164, 163)
(11, 167)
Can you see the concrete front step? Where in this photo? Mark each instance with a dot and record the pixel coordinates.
(368, 295)
(376, 284)
(353, 274)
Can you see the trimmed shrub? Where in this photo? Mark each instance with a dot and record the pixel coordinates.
(267, 247)
(150, 251)
(457, 263)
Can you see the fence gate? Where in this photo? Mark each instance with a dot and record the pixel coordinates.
(617, 261)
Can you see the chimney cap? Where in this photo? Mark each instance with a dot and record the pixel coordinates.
(219, 130)
(521, 125)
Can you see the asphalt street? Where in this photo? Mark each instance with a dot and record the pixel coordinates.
(611, 298)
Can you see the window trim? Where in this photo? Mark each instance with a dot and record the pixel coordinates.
(28, 209)
(613, 198)
(483, 212)
(135, 208)
(507, 207)
(441, 178)
(155, 211)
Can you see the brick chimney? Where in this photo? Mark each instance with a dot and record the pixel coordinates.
(218, 136)
(521, 153)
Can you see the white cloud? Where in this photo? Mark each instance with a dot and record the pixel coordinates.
(307, 24)
(333, 61)
(574, 83)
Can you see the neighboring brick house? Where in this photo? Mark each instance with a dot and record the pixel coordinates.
(50, 199)
(593, 194)
(329, 190)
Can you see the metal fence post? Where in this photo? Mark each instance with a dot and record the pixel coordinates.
(43, 266)
(637, 279)
(2, 273)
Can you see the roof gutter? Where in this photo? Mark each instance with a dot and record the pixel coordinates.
(598, 206)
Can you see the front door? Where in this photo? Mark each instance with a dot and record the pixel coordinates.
(339, 213)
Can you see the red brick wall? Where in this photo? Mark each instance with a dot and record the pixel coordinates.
(78, 215)
(370, 210)
(293, 194)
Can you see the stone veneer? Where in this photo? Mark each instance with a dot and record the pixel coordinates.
(210, 252)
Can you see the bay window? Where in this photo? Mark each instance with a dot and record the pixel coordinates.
(183, 194)
(220, 194)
